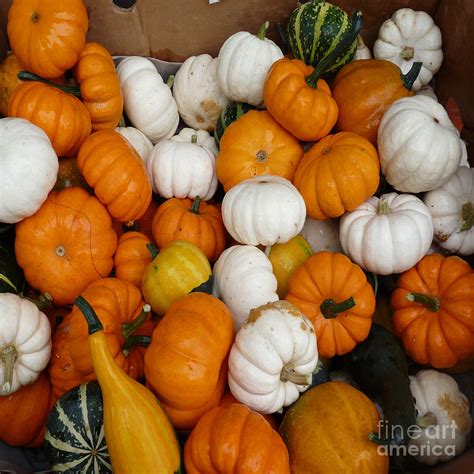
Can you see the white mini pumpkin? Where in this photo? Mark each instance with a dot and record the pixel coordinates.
(25, 343)
(443, 417)
(387, 235)
(419, 147)
(272, 358)
(464, 157)
(244, 280)
(322, 235)
(428, 91)
(263, 210)
(201, 137)
(243, 64)
(452, 208)
(197, 92)
(137, 139)
(362, 50)
(411, 36)
(28, 169)
(147, 100)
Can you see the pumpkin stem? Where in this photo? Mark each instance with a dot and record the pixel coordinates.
(407, 52)
(122, 122)
(263, 30)
(9, 357)
(194, 138)
(330, 309)
(133, 341)
(410, 77)
(426, 420)
(129, 328)
(346, 41)
(383, 207)
(44, 301)
(195, 207)
(378, 440)
(288, 374)
(152, 249)
(86, 309)
(170, 81)
(29, 76)
(431, 303)
(467, 216)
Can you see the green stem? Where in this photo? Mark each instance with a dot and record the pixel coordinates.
(195, 207)
(467, 216)
(170, 81)
(28, 76)
(330, 309)
(152, 249)
(410, 77)
(383, 207)
(129, 328)
(288, 374)
(194, 138)
(376, 439)
(263, 30)
(426, 420)
(91, 317)
(133, 341)
(407, 52)
(349, 37)
(431, 303)
(6, 280)
(44, 301)
(9, 357)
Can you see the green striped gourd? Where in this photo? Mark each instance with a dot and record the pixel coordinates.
(314, 30)
(75, 438)
(230, 114)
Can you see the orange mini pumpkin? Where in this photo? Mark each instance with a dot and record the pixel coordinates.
(433, 311)
(335, 295)
(337, 174)
(100, 86)
(253, 145)
(62, 116)
(197, 222)
(233, 438)
(186, 362)
(67, 244)
(47, 35)
(113, 168)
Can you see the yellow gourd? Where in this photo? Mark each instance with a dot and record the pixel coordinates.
(139, 436)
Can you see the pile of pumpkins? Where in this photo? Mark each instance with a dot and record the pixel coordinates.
(198, 249)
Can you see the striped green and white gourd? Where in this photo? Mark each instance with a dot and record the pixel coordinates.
(230, 114)
(314, 30)
(75, 437)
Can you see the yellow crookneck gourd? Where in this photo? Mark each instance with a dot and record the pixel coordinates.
(139, 436)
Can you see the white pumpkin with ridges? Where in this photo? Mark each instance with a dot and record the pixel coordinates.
(201, 137)
(322, 235)
(362, 50)
(137, 139)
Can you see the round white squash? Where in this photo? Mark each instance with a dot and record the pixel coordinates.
(452, 208)
(201, 137)
(443, 417)
(137, 139)
(244, 280)
(387, 235)
(322, 235)
(25, 343)
(28, 169)
(464, 157)
(147, 100)
(409, 37)
(362, 50)
(243, 64)
(263, 210)
(272, 358)
(197, 93)
(419, 147)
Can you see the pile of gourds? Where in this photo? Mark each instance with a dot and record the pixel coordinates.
(201, 282)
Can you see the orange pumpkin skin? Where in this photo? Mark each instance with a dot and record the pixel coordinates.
(364, 90)
(337, 174)
(307, 113)
(234, 439)
(443, 335)
(66, 245)
(186, 362)
(100, 86)
(117, 174)
(62, 116)
(23, 414)
(253, 145)
(332, 276)
(132, 257)
(115, 302)
(199, 223)
(47, 36)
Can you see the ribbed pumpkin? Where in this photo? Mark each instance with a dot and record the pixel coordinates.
(433, 307)
(335, 295)
(47, 36)
(117, 303)
(100, 87)
(62, 116)
(132, 257)
(254, 145)
(337, 174)
(186, 362)
(195, 221)
(115, 170)
(233, 438)
(66, 245)
(365, 89)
